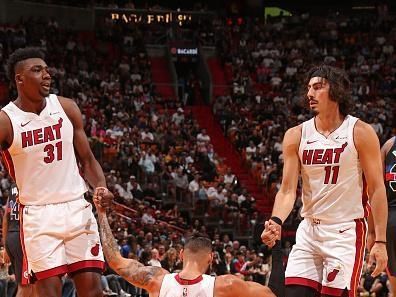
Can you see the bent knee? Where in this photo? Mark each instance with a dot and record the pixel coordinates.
(96, 292)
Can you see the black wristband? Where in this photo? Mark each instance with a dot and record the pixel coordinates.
(380, 241)
(276, 220)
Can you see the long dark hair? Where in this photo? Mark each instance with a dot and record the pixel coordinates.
(340, 85)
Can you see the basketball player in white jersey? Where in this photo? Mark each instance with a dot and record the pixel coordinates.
(192, 281)
(41, 138)
(331, 151)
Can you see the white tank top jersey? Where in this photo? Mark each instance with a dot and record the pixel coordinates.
(331, 174)
(174, 286)
(41, 158)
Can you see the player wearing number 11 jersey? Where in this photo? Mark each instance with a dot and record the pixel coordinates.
(331, 152)
(40, 135)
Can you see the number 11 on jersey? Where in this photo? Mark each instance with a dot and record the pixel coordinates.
(331, 172)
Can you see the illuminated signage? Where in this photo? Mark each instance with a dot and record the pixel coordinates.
(184, 51)
(152, 18)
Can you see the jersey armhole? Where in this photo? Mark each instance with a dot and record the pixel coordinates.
(59, 103)
(351, 135)
(66, 112)
(302, 134)
(9, 145)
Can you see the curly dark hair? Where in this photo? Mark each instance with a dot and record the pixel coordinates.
(340, 85)
(19, 55)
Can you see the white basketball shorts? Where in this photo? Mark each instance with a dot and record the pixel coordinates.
(328, 256)
(60, 238)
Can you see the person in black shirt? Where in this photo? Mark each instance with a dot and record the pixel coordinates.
(13, 247)
(388, 153)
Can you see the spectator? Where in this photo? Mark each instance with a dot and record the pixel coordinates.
(154, 261)
(178, 116)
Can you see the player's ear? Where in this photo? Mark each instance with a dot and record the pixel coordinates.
(18, 79)
(181, 254)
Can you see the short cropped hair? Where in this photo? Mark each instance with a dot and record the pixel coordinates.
(197, 243)
(340, 85)
(19, 55)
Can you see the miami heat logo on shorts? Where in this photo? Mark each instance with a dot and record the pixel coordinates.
(95, 249)
(332, 275)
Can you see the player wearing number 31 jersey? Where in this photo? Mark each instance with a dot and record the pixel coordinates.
(41, 138)
(43, 145)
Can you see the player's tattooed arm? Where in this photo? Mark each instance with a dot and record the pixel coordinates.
(141, 277)
(110, 246)
(131, 270)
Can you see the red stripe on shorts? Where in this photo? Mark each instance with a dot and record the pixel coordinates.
(85, 264)
(361, 230)
(25, 278)
(332, 291)
(60, 270)
(303, 282)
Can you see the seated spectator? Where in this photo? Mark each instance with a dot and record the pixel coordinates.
(171, 261)
(193, 186)
(134, 188)
(250, 150)
(147, 217)
(203, 139)
(178, 116)
(146, 163)
(154, 261)
(229, 177)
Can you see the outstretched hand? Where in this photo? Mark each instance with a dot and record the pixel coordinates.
(379, 256)
(102, 198)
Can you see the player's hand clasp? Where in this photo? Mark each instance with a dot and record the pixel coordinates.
(103, 198)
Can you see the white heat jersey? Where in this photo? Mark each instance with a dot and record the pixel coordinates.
(174, 286)
(331, 174)
(41, 158)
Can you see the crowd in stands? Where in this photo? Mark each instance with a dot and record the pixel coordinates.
(160, 164)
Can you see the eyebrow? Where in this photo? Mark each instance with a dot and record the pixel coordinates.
(39, 66)
(315, 84)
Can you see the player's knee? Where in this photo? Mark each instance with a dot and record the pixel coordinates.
(25, 291)
(95, 292)
(47, 292)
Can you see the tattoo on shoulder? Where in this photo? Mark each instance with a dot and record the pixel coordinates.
(140, 276)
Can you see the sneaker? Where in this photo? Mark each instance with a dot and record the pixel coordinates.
(109, 293)
(124, 294)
